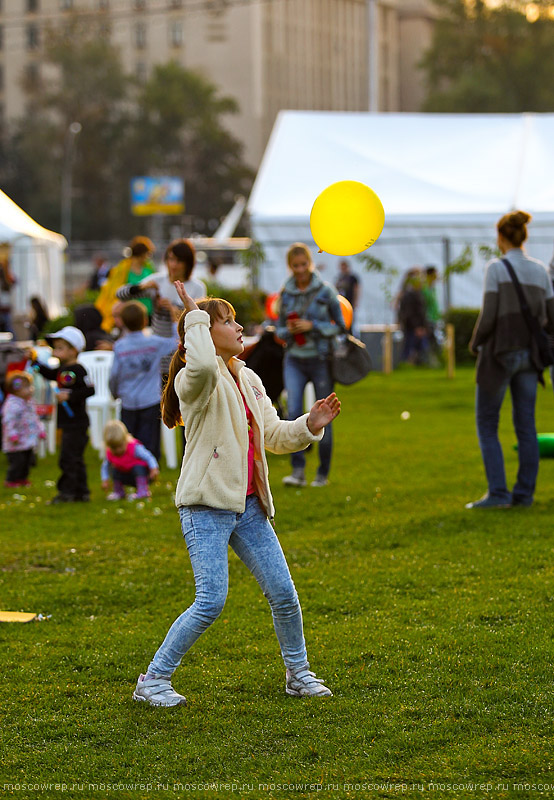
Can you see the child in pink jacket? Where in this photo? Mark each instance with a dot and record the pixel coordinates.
(21, 428)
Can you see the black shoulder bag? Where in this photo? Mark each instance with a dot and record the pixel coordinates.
(535, 328)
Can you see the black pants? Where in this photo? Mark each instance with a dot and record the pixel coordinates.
(129, 478)
(19, 464)
(73, 480)
(144, 425)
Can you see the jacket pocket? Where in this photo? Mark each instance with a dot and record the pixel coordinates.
(213, 455)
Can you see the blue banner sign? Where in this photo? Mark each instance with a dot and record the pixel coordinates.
(157, 196)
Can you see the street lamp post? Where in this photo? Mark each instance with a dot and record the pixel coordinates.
(372, 11)
(67, 178)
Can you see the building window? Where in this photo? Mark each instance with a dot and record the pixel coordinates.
(176, 34)
(32, 6)
(31, 75)
(140, 36)
(33, 37)
(141, 71)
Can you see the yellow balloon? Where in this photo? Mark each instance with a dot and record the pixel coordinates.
(346, 218)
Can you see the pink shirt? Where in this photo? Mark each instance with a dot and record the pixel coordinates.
(251, 488)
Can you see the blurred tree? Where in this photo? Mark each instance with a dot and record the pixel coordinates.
(81, 81)
(178, 130)
(169, 125)
(491, 58)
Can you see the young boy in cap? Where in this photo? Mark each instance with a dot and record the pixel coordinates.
(74, 387)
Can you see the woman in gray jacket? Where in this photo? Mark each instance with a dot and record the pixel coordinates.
(508, 357)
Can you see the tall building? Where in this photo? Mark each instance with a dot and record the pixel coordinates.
(341, 55)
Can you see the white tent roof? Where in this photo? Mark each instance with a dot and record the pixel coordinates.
(438, 176)
(14, 223)
(419, 164)
(36, 258)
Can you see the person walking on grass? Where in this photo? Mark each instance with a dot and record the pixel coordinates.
(310, 318)
(507, 356)
(223, 493)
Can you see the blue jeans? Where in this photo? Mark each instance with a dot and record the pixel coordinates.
(522, 379)
(297, 372)
(208, 532)
(415, 348)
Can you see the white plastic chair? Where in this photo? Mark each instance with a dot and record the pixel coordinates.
(309, 396)
(102, 406)
(169, 444)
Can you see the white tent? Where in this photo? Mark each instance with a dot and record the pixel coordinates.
(36, 259)
(444, 180)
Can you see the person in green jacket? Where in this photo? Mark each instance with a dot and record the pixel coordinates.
(432, 310)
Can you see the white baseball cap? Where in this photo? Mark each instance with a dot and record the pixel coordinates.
(72, 336)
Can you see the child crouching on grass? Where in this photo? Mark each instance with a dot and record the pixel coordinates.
(21, 429)
(223, 493)
(129, 463)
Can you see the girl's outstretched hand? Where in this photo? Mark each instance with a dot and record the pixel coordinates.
(188, 302)
(323, 412)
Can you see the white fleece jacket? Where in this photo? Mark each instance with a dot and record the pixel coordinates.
(215, 465)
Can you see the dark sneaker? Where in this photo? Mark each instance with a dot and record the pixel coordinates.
(303, 683)
(489, 502)
(158, 692)
(61, 498)
(524, 502)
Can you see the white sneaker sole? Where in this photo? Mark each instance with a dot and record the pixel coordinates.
(141, 699)
(294, 693)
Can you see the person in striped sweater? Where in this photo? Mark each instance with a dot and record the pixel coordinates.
(508, 357)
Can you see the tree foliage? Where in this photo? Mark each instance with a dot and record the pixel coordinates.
(172, 124)
(491, 58)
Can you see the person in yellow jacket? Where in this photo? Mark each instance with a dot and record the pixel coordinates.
(136, 266)
(223, 493)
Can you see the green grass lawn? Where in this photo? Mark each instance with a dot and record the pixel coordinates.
(433, 625)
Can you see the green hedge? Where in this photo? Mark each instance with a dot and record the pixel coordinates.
(464, 320)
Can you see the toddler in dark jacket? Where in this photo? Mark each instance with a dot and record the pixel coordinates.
(74, 386)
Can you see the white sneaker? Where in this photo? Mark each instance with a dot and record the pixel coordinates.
(158, 692)
(319, 480)
(303, 683)
(115, 496)
(296, 479)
